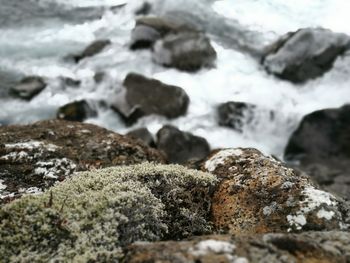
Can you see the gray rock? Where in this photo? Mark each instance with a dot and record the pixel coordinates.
(144, 135)
(181, 147)
(76, 111)
(91, 50)
(305, 54)
(28, 87)
(187, 51)
(143, 96)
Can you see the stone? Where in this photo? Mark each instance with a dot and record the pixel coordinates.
(93, 49)
(35, 157)
(305, 54)
(258, 194)
(181, 147)
(76, 111)
(29, 87)
(187, 51)
(144, 135)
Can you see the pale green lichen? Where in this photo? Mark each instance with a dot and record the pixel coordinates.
(91, 216)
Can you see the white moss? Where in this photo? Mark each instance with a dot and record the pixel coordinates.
(220, 157)
(31, 145)
(53, 168)
(15, 156)
(325, 214)
(2, 185)
(212, 246)
(298, 221)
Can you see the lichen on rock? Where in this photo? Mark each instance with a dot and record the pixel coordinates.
(90, 217)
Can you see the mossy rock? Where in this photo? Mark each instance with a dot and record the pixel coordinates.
(90, 217)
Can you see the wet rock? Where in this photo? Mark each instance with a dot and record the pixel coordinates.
(321, 145)
(305, 54)
(258, 194)
(150, 29)
(99, 77)
(181, 147)
(34, 157)
(331, 247)
(76, 111)
(93, 215)
(28, 87)
(144, 135)
(187, 51)
(71, 82)
(8, 79)
(144, 9)
(143, 96)
(93, 49)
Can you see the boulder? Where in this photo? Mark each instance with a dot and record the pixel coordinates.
(93, 215)
(143, 96)
(144, 135)
(258, 194)
(76, 111)
(321, 146)
(149, 29)
(28, 87)
(305, 54)
(331, 247)
(181, 147)
(186, 51)
(34, 157)
(93, 49)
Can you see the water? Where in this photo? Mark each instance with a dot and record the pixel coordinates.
(35, 36)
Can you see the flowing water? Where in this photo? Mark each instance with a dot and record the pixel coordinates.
(35, 36)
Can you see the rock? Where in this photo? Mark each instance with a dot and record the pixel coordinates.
(143, 96)
(181, 147)
(8, 79)
(149, 29)
(28, 87)
(70, 82)
(144, 9)
(91, 216)
(76, 111)
(186, 51)
(321, 144)
(258, 194)
(34, 157)
(93, 49)
(305, 54)
(331, 247)
(144, 135)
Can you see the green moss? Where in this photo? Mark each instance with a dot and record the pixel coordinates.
(91, 216)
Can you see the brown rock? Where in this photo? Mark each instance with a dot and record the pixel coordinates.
(34, 157)
(270, 248)
(258, 194)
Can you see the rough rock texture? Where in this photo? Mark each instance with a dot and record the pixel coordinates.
(91, 50)
(181, 147)
(312, 247)
(305, 54)
(145, 96)
(258, 194)
(150, 29)
(188, 51)
(144, 135)
(321, 145)
(76, 111)
(34, 157)
(28, 87)
(91, 216)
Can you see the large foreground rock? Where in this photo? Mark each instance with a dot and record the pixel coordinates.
(330, 247)
(181, 147)
(258, 194)
(91, 216)
(188, 51)
(34, 157)
(28, 87)
(305, 54)
(321, 145)
(143, 96)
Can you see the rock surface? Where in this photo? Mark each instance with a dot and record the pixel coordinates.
(187, 51)
(91, 216)
(305, 54)
(28, 87)
(258, 194)
(91, 50)
(321, 145)
(144, 135)
(330, 247)
(34, 157)
(181, 147)
(143, 96)
(76, 111)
